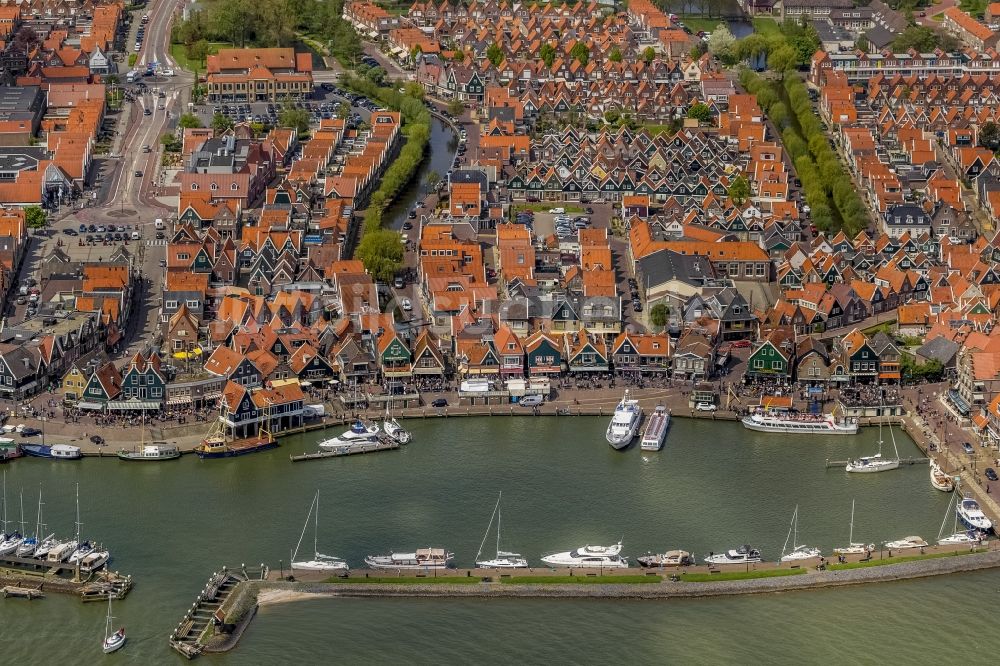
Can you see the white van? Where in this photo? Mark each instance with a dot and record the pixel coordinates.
(557, 211)
(159, 224)
(531, 401)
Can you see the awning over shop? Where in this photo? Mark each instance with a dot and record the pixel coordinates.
(960, 404)
(126, 405)
(89, 405)
(212, 396)
(179, 400)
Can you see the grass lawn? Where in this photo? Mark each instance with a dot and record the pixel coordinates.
(658, 129)
(546, 206)
(699, 23)
(885, 327)
(897, 560)
(179, 53)
(973, 7)
(766, 26)
(593, 580)
(406, 580)
(739, 575)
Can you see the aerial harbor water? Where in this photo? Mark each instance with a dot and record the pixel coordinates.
(714, 485)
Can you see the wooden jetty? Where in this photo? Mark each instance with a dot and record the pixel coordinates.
(384, 444)
(28, 593)
(63, 578)
(206, 617)
(902, 461)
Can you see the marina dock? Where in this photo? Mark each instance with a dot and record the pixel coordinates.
(28, 593)
(221, 611)
(60, 577)
(384, 444)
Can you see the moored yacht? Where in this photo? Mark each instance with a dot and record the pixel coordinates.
(150, 453)
(970, 515)
(590, 557)
(56, 451)
(742, 555)
(671, 558)
(967, 538)
(799, 551)
(905, 543)
(359, 433)
(422, 558)
(624, 423)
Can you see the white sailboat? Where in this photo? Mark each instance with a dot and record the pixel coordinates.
(957, 537)
(13, 541)
(9, 541)
(504, 559)
(939, 479)
(320, 562)
(853, 548)
(391, 427)
(112, 641)
(798, 552)
(876, 463)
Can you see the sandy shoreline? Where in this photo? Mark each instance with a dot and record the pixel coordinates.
(270, 597)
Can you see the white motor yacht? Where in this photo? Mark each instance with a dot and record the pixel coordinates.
(970, 515)
(624, 423)
(589, 557)
(96, 559)
(742, 555)
(359, 433)
(905, 543)
(422, 558)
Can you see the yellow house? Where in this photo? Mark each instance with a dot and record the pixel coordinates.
(73, 384)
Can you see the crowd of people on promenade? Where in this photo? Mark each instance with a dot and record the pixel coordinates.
(869, 395)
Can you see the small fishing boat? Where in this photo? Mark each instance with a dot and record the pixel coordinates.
(905, 543)
(656, 429)
(55, 452)
(939, 479)
(112, 641)
(319, 562)
(742, 555)
(671, 558)
(422, 558)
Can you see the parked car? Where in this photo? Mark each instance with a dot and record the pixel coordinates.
(30, 432)
(407, 305)
(439, 402)
(968, 448)
(991, 474)
(705, 407)
(69, 232)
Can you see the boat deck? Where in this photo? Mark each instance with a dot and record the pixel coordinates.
(902, 461)
(655, 429)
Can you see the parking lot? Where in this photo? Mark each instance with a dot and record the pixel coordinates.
(323, 104)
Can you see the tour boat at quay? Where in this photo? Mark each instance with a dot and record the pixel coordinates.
(624, 423)
(422, 558)
(591, 557)
(793, 422)
(656, 429)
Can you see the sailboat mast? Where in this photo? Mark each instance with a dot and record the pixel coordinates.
(316, 527)
(850, 540)
(22, 511)
(5, 503)
(38, 516)
(795, 528)
(498, 525)
(78, 523)
(486, 535)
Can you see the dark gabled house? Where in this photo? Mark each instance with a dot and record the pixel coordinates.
(143, 381)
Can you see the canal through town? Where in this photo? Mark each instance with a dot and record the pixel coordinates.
(438, 160)
(713, 486)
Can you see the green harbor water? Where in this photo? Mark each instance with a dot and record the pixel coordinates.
(713, 486)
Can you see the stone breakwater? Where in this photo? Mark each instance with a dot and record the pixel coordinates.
(279, 591)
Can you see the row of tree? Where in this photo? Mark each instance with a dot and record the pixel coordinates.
(381, 250)
(824, 182)
(792, 47)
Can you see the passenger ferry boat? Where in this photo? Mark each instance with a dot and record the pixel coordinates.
(422, 558)
(656, 429)
(624, 423)
(775, 414)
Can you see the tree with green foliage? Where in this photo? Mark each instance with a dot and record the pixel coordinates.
(782, 59)
(931, 370)
(722, 44)
(432, 178)
(456, 107)
(494, 54)
(612, 116)
(615, 55)
(221, 123)
(751, 47)
(739, 191)
(581, 53)
(382, 254)
(189, 120)
(547, 53)
(132, 59)
(923, 39)
(297, 119)
(197, 52)
(648, 54)
(343, 110)
(170, 143)
(700, 112)
(658, 315)
(236, 19)
(989, 136)
(35, 217)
